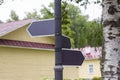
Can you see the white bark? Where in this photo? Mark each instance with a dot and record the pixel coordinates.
(111, 48)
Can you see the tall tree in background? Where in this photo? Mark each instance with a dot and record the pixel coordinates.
(34, 14)
(77, 21)
(13, 16)
(87, 33)
(47, 12)
(90, 34)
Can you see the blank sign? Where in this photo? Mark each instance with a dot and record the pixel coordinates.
(42, 28)
(72, 57)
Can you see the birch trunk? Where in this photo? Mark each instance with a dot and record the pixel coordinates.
(111, 32)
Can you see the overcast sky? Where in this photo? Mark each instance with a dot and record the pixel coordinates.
(22, 6)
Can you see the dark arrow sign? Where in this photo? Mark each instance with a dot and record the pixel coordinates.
(72, 57)
(42, 28)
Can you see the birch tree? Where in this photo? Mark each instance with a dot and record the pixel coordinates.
(111, 32)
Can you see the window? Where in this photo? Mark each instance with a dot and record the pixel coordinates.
(91, 69)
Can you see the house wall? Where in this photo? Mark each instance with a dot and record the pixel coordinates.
(25, 64)
(71, 72)
(84, 69)
(30, 64)
(22, 35)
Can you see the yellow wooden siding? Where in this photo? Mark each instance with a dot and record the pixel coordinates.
(84, 69)
(30, 64)
(22, 35)
(25, 64)
(71, 72)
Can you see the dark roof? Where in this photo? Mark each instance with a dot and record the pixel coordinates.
(6, 28)
(26, 44)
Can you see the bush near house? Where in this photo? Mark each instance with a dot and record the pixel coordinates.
(97, 78)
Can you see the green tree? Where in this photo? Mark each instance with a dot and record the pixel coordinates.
(34, 14)
(77, 21)
(47, 12)
(84, 30)
(93, 33)
(13, 16)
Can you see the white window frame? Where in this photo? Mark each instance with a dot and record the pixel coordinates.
(90, 69)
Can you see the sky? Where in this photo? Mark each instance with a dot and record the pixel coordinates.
(22, 6)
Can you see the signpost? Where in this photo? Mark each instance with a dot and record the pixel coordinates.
(58, 42)
(53, 27)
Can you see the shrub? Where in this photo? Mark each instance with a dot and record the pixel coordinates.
(97, 78)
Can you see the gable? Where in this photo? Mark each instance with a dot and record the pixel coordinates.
(21, 34)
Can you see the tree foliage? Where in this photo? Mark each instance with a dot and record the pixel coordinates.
(13, 16)
(91, 35)
(34, 14)
(85, 32)
(47, 12)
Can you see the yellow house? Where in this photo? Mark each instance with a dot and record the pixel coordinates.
(90, 69)
(91, 66)
(23, 57)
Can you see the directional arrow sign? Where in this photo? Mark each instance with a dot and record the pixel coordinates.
(42, 28)
(72, 57)
(47, 28)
